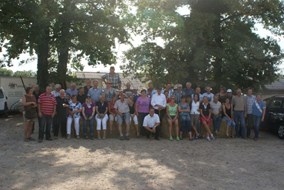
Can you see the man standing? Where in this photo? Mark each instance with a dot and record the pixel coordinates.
(87, 86)
(60, 118)
(122, 111)
(216, 108)
(178, 93)
(128, 91)
(250, 99)
(188, 91)
(239, 106)
(56, 91)
(208, 93)
(46, 111)
(95, 92)
(72, 91)
(113, 77)
(150, 123)
(159, 103)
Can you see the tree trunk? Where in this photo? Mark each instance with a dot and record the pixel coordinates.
(42, 62)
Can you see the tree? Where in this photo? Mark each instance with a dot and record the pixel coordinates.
(5, 72)
(214, 44)
(24, 74)
(63, 29)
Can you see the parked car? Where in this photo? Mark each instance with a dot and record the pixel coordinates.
(274, 119)
(3, 102)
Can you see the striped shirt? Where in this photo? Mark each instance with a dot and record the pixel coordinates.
(47, 104)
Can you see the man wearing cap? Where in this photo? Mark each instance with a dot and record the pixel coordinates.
(95, 91)
(159, 103)
(122, 111)
(229, 95)
(113, 77)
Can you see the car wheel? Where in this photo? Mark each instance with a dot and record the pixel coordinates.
(281, 131)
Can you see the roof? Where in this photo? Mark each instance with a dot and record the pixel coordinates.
(134, 82)
(277, 85)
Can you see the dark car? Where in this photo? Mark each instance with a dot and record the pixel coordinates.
(274, 119)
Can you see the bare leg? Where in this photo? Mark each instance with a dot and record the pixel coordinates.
(170, 127)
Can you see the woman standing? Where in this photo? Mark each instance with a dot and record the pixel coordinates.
(101, 117)
(29, 103)
(88, 112)
(74, 112)
(194, 113)
(184, 113)
(227, 116)
(205, 117)
(172, 114)
(258, 112)
(142, 107)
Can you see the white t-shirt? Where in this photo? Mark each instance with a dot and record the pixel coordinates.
(194, 107)
(151, 121)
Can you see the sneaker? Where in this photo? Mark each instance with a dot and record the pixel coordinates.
(212, 137)
(171, 139)
(180, 138)
(177, 139)
(208, 138)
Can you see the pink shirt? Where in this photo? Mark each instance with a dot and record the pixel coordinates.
(143, 104)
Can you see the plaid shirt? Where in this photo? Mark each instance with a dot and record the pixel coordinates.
(115, 79)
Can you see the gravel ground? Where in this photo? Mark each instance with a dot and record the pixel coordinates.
(138, 163)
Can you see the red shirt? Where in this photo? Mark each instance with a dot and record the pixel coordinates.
(47, 104)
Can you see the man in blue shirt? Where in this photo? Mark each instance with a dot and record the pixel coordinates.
(95, 92)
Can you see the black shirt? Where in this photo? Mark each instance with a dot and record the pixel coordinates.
(102, 106)
(205, 109)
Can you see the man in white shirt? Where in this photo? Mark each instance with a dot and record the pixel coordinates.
(151, 122)
(159, 103)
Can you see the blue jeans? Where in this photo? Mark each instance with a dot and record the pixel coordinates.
(229, 122)
(216, 122)
(239, 117)
(89, 122)
(45, 123)
(256, 123)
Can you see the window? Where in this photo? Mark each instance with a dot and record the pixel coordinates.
(276, 103)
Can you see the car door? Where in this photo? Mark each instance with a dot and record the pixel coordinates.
(275, 110)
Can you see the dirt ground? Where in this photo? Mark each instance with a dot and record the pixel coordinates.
(138, 163)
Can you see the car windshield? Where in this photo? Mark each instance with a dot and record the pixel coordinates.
(276, 103)
(1, 94)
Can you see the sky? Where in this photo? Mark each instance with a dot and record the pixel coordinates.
(120, 48)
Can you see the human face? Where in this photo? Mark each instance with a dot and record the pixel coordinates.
(152, 112)
(197, 90)
(111, 70)
(258, 98)
(88, 83)
(205, 100)
(48, 89)
(95, 83)
(74, 99)
(188, 85)
(249, 92)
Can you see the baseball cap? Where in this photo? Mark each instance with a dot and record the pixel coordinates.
(229, 90)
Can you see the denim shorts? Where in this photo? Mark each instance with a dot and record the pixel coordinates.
(124, 117)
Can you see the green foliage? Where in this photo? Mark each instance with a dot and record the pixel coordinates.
(5, 72)
(24, 74)
(215, 44)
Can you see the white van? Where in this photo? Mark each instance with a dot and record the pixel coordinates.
(3, 102)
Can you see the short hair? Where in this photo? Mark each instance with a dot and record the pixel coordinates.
(28, 89)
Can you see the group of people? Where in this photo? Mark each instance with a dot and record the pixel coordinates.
(186, 111)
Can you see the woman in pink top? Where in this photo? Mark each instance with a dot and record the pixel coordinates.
(142, 107)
